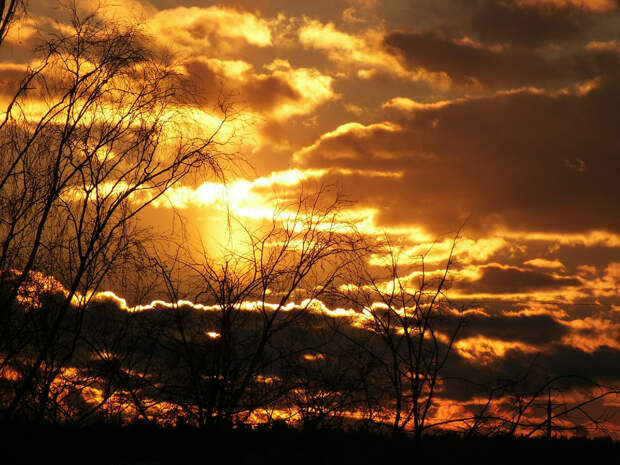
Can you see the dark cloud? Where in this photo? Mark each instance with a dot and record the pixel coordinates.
(529, 25)
(512, 280)
(254, 91)
(559, 360)
(205, 81)
(536, 330)
(496, 68)
(264, 93)
(601, 365)
(525, 373)
(502, 159)
(10, 79)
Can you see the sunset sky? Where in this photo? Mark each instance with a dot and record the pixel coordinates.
(499, 117)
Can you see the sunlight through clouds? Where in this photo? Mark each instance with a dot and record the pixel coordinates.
(310, 203)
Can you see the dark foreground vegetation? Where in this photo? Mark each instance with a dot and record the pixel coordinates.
(148, 444)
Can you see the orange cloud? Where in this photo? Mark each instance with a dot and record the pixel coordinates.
(543, 263)
(588, 239)
(331, 145)
(361, 55)
(609, 284)
(590, 333)
(281, 92)
(190, 30)
(484, 350)
(312, 87)
(406, 104)
(436, 251)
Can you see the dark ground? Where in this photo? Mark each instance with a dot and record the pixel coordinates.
(149, 445)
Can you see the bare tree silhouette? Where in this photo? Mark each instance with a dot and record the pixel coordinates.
(411, 333)
(533, 402)
(228, 352)
(89, 140)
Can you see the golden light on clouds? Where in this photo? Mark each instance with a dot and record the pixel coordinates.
(589, 238)
(188, 29)
(355, 129)
(406, 104)
(476, 143)
(590, 334)
(314, 88)
(485, 350)
(542, 263)
(435, 252)
(365, 54)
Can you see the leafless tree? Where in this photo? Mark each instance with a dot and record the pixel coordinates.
(323, 390)
(411, 329)
(536, 403)
(230, 353)
(90, 139)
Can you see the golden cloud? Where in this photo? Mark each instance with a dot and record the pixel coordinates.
(361, 55)
(543, 263)
(590, 333)
(436, 251)
(607, 285)
(281, 92)
(190, 30)
(406, 104)
(330, 147)
(484, 350)
(312, 87)
(588, 239)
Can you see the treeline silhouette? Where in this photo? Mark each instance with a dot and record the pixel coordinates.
(279, 444)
